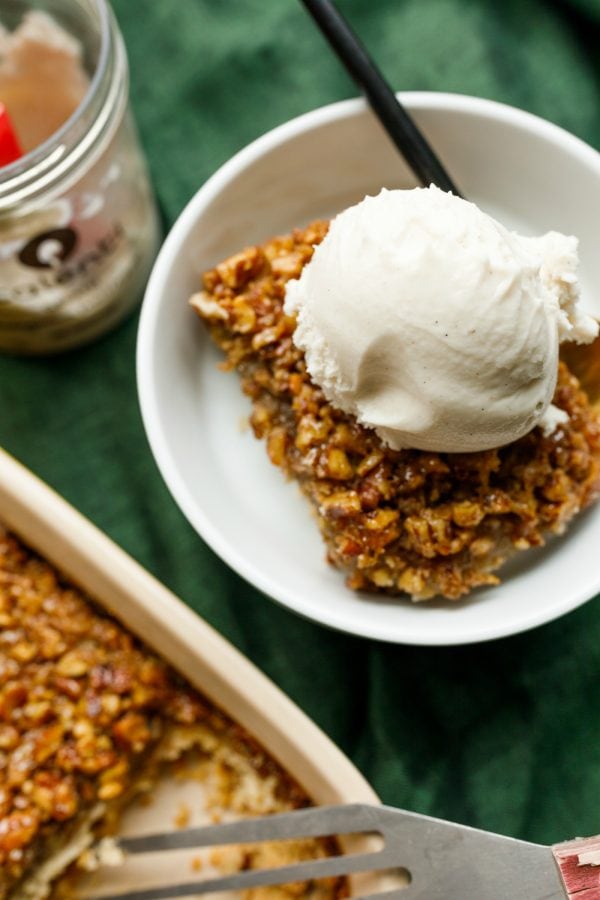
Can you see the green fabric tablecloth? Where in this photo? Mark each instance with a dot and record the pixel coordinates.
(504, 736)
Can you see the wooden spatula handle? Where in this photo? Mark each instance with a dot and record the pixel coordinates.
(579, 865)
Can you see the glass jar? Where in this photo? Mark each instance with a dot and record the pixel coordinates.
(78, 223)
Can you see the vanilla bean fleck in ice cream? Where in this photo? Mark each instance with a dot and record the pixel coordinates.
(435, 325)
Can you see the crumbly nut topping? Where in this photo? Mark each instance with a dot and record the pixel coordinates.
(395, 521)
(83, 705)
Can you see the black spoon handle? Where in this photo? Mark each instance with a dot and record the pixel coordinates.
(393, 116)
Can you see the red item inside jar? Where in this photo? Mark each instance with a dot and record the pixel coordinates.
(10, 149)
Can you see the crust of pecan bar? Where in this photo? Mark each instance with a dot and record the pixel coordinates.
(84, 707)
(407, 521)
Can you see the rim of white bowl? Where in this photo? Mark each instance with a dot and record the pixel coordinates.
(155, 292)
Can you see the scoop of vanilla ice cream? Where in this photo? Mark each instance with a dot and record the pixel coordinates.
(431, 323)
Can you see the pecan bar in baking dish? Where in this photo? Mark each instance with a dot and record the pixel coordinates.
(91, 719)
(395, 521)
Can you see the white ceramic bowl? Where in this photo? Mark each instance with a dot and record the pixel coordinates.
(530, 174)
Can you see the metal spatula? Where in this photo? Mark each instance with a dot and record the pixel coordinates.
(445, 861)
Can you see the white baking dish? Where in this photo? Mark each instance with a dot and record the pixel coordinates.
(65, 538)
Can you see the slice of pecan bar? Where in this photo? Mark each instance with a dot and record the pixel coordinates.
(407, 521)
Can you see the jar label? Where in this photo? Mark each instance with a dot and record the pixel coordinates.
(55, 266)
(49, 248)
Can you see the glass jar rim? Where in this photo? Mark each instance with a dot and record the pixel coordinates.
(52, 149)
